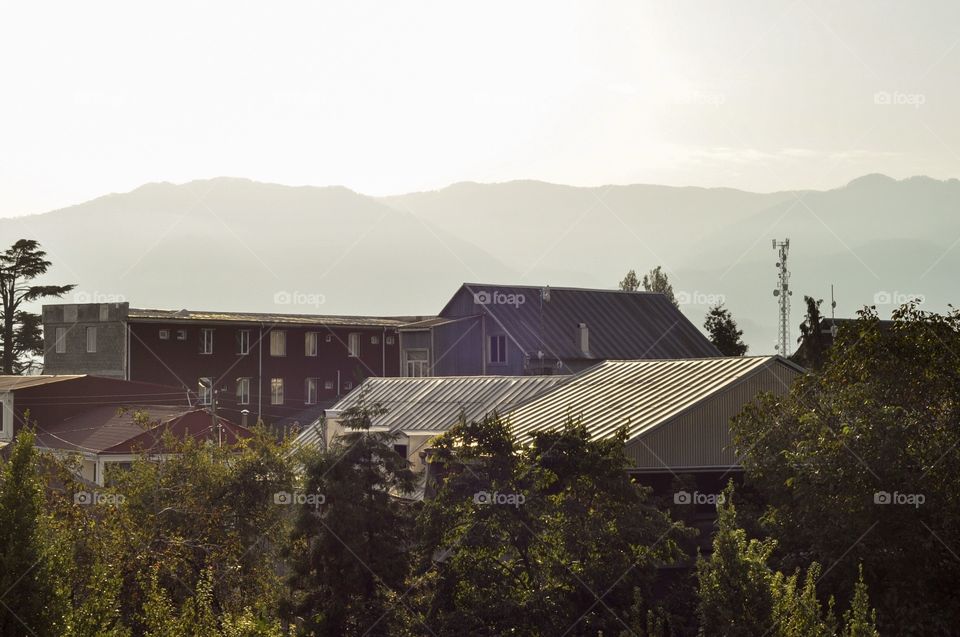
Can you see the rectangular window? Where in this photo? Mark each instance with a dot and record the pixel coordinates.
(389, 340)
(401, 450)
(276, 391)
(104, 312)
(498, 349)
(310, 344)
(347, 385)
(278, 343)
(417, 362)
(164, 335)
(61, 336)
(374, 340)
(91, 340)
(69, 313)
(310, 390)
(353, 344)
(181, 335)
(205, 390)
(328, 384)
(328, 338)
(206, 341)
(243, 342)
(243, 391)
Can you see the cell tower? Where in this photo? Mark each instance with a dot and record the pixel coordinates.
(784, 293)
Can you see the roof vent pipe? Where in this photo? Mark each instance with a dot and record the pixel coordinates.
(584, 337)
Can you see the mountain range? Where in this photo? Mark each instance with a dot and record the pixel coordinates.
(237, 244)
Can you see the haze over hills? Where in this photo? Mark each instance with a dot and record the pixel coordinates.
(331, 250)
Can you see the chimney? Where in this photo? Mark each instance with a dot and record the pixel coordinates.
(584, 334)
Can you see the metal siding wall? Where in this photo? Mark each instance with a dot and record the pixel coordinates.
(459, 349)
(701, 437)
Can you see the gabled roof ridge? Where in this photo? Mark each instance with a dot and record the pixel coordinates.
(557, 287)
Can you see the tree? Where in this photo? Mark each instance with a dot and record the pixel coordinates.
(350, 555)
(630, 283)
(735, 581)
(813, 349)
(30, 604)
(19, 265)
(541, 539)
(656, 281)
(860, 620)
(723, 331)
(868, 447)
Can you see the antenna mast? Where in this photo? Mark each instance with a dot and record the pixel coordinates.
(784, 293)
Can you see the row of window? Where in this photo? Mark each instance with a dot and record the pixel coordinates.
(311, 390)
(278, 341)
(60, 337)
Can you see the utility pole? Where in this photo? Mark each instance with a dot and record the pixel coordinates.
(783, 293)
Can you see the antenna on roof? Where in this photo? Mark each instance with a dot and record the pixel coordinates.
(783, 291)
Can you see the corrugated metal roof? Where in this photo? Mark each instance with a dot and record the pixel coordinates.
(253, 317)
(434, 404)
(621, 325)
(110, 429)
(13, 383)
(639, 394)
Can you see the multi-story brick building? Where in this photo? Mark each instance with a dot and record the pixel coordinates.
(279, 368)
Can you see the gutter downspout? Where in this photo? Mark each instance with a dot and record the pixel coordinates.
(383, 353)
(126, 366)
(260, 375)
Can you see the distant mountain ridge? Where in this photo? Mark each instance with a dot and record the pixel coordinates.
(238, 244)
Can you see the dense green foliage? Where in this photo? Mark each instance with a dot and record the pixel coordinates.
(723, 331)
(857, 465)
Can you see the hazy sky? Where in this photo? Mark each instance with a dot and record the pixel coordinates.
(390, 97)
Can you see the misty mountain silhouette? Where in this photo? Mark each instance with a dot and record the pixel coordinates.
(237, 244)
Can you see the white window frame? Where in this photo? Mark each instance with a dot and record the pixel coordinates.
(311, 386)
(164, 334)
(422, 365)
(181, 335)
(328, 384)
(243, 342)
(278, 343)
(206, 340)
(91, 338)
(353, 344)
(276, 391)
(60, 336)
(311, 344)
(243, 390)
(503, 350)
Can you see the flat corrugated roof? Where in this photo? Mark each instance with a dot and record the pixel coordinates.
(434, 404)
(13, 383)
(638, 394)
(140, 314)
